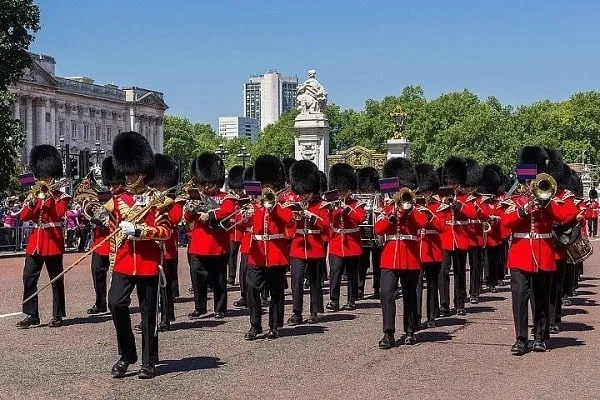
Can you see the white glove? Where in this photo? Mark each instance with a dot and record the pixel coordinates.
(127, 228)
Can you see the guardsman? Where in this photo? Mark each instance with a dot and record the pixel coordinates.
(268, 256)
(246, 227)
(209, 241)
(307, 250)
(430, 242)
(345, 245)
(100, 257)
(455, 240)
(45, 245)
(235, 186)
(475, 231)
(138, 213)
(594, 206)
(400, 223)
(531, 254)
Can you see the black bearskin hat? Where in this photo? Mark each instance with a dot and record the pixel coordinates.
(342, 177)
(248, 174)
(323, 181)
(287, 164)
(593, 194)
(403, 169)
(235, 177)
(132, 155)
(496, 168)
(454, 171)
(490, 181)
(109, 175)
(45, 162)
(269, 171)
(555, 164)
(166, 171)
(534, 155)
(427, 178)
(304, 177)
(209, 169)
(571, 181)
(474, 173)
(368, 179)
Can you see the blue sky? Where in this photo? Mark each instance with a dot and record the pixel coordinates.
(199, 53)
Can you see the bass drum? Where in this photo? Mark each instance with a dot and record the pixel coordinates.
(373, 206)
(580, 250)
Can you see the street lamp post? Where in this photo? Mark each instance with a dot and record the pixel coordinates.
(398, 118)
(244, 156)
(98, 152)
(221, 152)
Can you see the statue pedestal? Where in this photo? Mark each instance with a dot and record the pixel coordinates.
(312, 139)
(398, 148)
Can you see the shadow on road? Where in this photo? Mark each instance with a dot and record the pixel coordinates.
(485, 299)
(184, 299)
(237, 312)
(585, 293)
(450, 322)
(197, 323)
(480, 309)
(188, 364)
(579, 301)
(432, 336)
(302, 330)
(334, 317)
(560, 342)
(360, 305)
(573, 311)
(96, 319)
(575, 326)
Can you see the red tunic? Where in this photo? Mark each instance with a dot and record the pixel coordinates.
(142, 254)
(289, 197)
(593, 205)
(532, 247)
(268, 246)
(175, 212)
(205, 238)
(401, 247)
(100, 233)
(568, 203)
(308, 241)
(489, 212)
(430, 249)
(46, 238)
(344, 235)
(457, 237)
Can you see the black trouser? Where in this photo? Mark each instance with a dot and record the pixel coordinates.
(243, 274)
(256, 279)
(167, 305)
(175, 281)
(431, 271)
(593, 226)
(83, 237)
(495, 266)
(210, 270)
(70, 237)
(556, 292)
(534, 287)
(389, 286)
(300, 269)
(568, 282)
(458, 260)
(100, 265)
(233, 260)
(370, 256)
(336, 266)
(31, 275)
(119, 299)
(476, 270)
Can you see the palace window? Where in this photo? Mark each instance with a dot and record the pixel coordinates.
(86, 131)
(74, 129)
(108, 135)
(98, 129)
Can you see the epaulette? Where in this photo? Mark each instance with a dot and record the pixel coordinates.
(423, 209)
(232, 196)
(110, 205)
(470, 198)
(567, 194)
(558, 200)
(443, 207)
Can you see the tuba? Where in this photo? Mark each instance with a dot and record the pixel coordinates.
(543, 187)
(90, 195)
(404, 198)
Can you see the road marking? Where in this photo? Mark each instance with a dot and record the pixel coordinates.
(10, 314)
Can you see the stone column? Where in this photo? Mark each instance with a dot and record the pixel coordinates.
(161, 139)
(53, 134)
(398, 148)
(41, 122)
(132, 119)
(312, 139)
(17, 108)
(28, 126)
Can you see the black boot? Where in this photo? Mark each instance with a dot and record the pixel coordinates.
(28, 322)
(387, 341)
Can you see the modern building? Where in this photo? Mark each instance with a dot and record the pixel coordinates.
(80, 113)
(269, 95)
(242, 127)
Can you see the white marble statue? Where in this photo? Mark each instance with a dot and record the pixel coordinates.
(311, 95)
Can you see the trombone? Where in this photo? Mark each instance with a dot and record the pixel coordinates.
(404, 199)
(42, 190)
(543, 187)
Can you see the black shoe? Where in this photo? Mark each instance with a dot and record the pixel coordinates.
(410, 339)
(196, 314)
(253, 333)
(96, 310)
(566, 302)
(428, 325)
(361, 296)
(376, 295)
(539, 346)
(55, 322)
(306, 284)
(147, 372)
(219, 315)
(231, 281)
(313, 319)
(137, 328)
(28, 322)
(273, 333)
(461, 311)
(444, 312)
(493, 289)
(333, 306)
(519, 348)
(120, 368)
(351, 306)
(387, 341)
(474, 300)
(242, 303)
(295, 320)
(164, 326)
(264, 303)
(554, 329)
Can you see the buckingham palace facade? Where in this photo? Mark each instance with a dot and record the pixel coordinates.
(84, 115)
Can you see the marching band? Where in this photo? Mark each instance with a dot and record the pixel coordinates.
(411, 227)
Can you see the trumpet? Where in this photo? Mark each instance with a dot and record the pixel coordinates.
(267, 198)
(405, 198)
(42, 190)
(543, 187)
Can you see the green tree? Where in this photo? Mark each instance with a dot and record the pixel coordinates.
(277, 139)
(19, 20)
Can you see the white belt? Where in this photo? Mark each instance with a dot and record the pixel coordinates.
(400, 237)
(525, 235)
(467, 222)
(427, 232)
(474, 221)
(48, 225)
(341, 230)
(308, 231)
(268, 237)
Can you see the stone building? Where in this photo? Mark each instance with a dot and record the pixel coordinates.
(82, 113)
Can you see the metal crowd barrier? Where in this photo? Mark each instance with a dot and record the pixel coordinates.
(14, 239)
